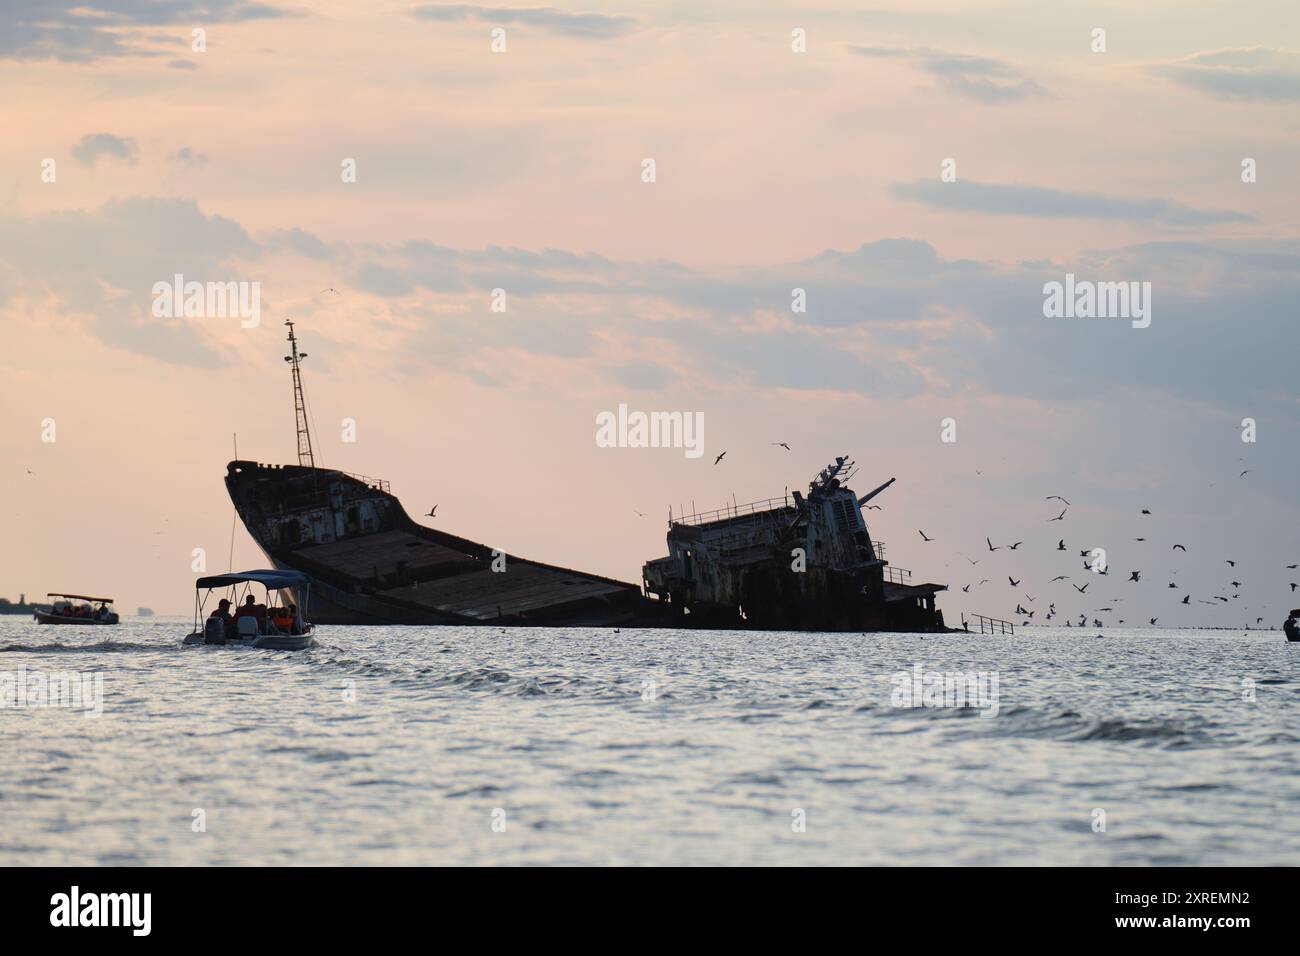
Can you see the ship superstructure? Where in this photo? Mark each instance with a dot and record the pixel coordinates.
(795, 562)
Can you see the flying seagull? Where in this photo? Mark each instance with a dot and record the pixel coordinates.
(1135, 575)
(431, 511)
(990, 544)
(1232, 563)
(966, 588)
(1059, 577)
(1057, 497)
(1060, 517)
(1244, 473)
(922, 534)
(1015, 583)
(1178, 547)
(719, 458)
(1146, 511)
(1014, 546)
(1080, 589)
(782, 444)
(1187, 599)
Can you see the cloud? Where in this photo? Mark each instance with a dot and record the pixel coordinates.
(977, 77)
(99, 267)
(1257, 73)
(73, 30)
(185, 156)
(1007, 199)
(889, 320)
(95, 145)
(590, 25)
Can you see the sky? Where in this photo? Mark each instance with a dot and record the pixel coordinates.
(921, 170)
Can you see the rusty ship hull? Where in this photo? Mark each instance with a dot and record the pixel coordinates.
(372, 564)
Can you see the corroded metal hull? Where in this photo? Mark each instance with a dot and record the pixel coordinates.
(372, 564)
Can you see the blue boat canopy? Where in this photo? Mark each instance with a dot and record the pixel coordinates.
(271, 580)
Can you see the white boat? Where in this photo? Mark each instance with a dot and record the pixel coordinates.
(239, 620)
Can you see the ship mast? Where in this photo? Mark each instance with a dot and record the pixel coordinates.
(295, 358)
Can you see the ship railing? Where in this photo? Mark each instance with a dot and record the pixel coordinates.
(880, 549)
(378, 484)
(993, 625)
(897, 575)
(732, 511)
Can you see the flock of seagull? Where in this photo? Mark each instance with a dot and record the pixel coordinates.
(1094, 563)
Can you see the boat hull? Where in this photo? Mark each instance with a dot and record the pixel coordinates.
(43, 617)
(265, 642)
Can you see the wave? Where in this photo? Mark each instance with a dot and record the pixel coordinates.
(100, 647)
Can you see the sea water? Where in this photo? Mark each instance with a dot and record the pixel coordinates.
(447, 745)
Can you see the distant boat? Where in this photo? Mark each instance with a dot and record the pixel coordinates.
(77, 609)
(144, 612)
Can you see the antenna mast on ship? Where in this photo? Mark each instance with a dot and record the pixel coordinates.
(295, 358)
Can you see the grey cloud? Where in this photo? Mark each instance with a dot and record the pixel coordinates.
(1007, 199)
(888, 319)
(94, 145)
(185, 156)
(76, 31)
(1258, 74)
(302, 243)
(977, 77)
(592, 25)
(101, 265)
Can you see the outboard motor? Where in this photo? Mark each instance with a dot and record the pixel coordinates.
(214, 631)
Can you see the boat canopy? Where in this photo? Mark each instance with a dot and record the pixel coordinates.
(271, 580)
(82, 597)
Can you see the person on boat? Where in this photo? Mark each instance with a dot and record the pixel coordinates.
(1292, 631)
(227, 619)
(282, 618)
(254, 610)
(295, 622)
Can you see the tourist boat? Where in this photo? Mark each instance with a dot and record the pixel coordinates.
(77, 609)
(271, 625)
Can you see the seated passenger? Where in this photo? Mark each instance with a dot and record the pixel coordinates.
(252, 609)
(223, 612)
